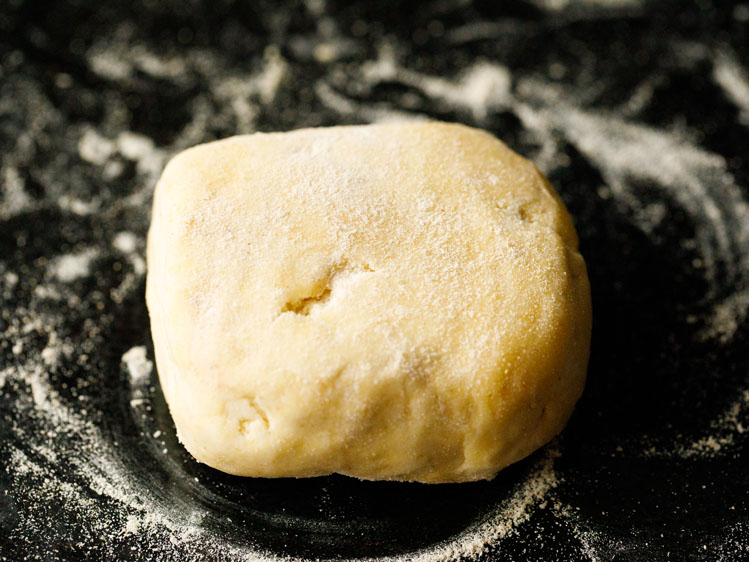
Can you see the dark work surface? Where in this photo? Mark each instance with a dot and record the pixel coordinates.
(638, 113)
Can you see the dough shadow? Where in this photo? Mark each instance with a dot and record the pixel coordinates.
(333, 516)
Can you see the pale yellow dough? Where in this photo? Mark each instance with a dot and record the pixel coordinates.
(398, 301)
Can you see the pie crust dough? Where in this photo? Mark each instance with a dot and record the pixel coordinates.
(397, 301)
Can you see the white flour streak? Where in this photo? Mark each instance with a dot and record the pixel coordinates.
(589, 6)
(239, 93)
(728, 315)
(132, 525)
(149, 161)
(116, 59)
(99, 150)
(108, 64)
(333, 99)
(558, 4)
(724, 430)
(483, 88)
(76, 206)
(694, 178)
(730, 76)
(272, 74)
(170, 66)
(588, 538)
(11, 279)
(624, 151)
(70, 267)
(126, 242)
(141, 149)
(720, 434)
(138, 365)
(50, 355)
(94, 148)
(15, 199)
(371, 113)
(500, 522)
(478, 31)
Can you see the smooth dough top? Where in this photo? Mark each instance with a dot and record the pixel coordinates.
(398, 301)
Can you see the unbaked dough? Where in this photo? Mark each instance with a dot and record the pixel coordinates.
(397, 301)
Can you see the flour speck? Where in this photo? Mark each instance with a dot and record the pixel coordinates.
(138, 365)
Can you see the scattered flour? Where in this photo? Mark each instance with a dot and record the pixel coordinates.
(50, 355)
(70, 267)
(562, 5)
(103, 473)
(498, 523)
(125, 242)
(77, 206)
(271, 75)
(139, 148)
(116, 58)
(132, 525)
(4, 375)
(14, 197)
(94, 148)
(11, 279)
(723, 432)
(589, 540)
(108, 64)
(730, 76)
(482, 88)
(56, 431)
(137, 363)
(373, 113)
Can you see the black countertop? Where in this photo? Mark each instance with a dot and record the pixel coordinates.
(637, 111)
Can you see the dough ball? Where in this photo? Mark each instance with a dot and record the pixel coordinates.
(398, 301)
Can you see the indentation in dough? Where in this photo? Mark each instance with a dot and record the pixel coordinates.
(322, 289)
(302, 306)
(519, 209)
(245, 426)
(246, 414)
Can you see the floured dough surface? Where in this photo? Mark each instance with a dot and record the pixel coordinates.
(397, 301)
